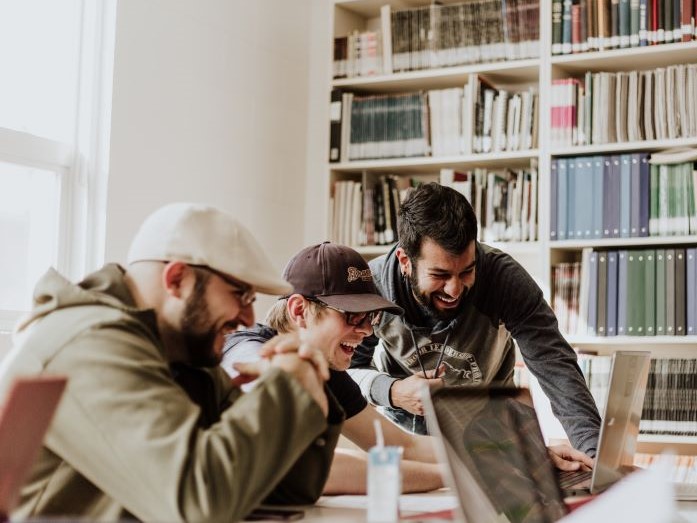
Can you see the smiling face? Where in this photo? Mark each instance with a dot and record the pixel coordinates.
(328, 329)
(212, 310)
(439, 279)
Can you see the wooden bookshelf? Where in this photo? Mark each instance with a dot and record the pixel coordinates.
(536, 256)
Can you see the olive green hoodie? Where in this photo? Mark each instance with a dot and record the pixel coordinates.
(127, 441)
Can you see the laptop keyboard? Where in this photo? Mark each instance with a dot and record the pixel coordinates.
(568, 478)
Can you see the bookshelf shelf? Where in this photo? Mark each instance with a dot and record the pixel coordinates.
(655, 444)
(632, 340)
(513, 72)
(539, 256)
(372, 251)
(659, 438)
(515, 248)
(646, 145)
(628, 59)
(518, 248)
(419, 164)
(620, 243)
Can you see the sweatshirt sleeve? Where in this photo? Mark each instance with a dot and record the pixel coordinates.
(549, 357)
(130, 430)
(375, 385)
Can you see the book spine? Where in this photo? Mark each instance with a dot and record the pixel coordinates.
(680, 292)
(557, 26)
(643, 22)
(612, 286)
(650, 293)
(660, 292)
(622, 257)
(593, 294)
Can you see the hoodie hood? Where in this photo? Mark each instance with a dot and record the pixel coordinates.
(104, 287)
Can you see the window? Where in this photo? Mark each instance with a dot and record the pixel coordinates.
(55, 97)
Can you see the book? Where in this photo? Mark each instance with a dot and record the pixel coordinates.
(622, 258)
(335, 115)
(660, 292)
(691, 294)
(670, 292)
(554, 199)
(649, 298)
(680, 297)
(612, 287)
(602, 318)
(625, 195)
(593, 293)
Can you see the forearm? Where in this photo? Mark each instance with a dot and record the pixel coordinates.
(421, 449)
(348, 474)
(375, 386)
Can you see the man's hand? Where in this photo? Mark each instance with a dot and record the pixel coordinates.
(406, 393)
(303, 370)
(568, 458)
(305, 348)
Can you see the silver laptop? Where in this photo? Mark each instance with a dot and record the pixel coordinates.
(497, 463)
(619, 431)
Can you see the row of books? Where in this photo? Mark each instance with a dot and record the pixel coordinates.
(367, 216)
(621, 196)
(462, 33)
(440, 36)
(476, 118)
(595, 25)
(358, 54)
(670, 402)
(629, 106)
(637, 292)
(504, 201)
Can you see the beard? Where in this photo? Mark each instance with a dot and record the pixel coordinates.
(426, 301)
(196, 329)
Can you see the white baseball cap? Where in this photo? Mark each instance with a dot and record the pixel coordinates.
(200, 234)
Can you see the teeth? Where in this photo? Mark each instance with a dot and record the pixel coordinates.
(350, 345)
(447, 300)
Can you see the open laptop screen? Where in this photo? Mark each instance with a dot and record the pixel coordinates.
(494, 432)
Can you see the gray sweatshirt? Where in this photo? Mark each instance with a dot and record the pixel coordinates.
(477, 347)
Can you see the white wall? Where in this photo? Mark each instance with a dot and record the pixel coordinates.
(317, 183)
(211, 104)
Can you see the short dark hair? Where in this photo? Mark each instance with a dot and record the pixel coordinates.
(439, 213)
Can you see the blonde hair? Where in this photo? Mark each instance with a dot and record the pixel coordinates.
(278, 319)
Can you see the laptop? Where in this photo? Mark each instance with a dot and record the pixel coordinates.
(629, 374)
(494, 454)
(25, 416)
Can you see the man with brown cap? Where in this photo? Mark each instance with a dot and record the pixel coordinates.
(333, 306)
(127, 440)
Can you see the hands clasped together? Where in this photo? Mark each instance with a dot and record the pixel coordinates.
(298, 357)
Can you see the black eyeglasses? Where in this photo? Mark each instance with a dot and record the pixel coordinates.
(355, 319)
(247, 295)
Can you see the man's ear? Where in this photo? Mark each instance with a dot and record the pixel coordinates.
(404, 262)
(176, 277)
(297, 307)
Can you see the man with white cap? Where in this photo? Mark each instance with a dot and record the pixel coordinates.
(127, 440)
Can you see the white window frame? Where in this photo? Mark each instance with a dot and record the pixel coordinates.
(83, 166)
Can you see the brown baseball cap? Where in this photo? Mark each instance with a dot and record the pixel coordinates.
(337, 276)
